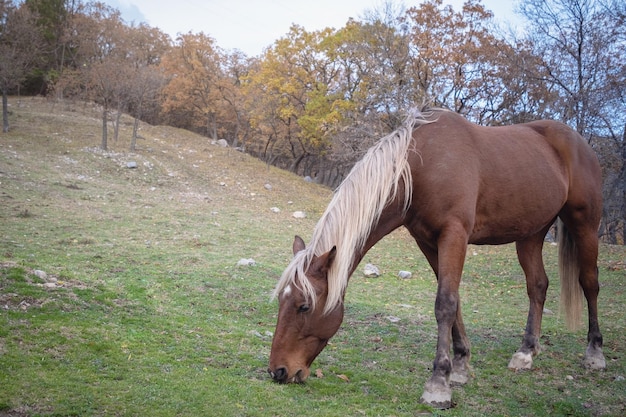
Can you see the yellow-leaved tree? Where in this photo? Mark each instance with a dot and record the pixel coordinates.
(295, 99)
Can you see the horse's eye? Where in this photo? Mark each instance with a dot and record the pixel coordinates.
(304, 308)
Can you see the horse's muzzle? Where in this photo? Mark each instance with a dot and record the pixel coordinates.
(281, 375)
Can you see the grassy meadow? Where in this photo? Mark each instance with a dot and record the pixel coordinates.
(120, 293)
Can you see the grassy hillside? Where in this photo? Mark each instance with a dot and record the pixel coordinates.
(120, 293)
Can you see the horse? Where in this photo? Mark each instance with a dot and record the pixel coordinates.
(450, 183)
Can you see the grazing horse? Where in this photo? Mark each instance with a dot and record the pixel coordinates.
(450, 183)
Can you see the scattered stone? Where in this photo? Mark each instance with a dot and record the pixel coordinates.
(268, 187)
(371, 271)
(299, 215)
(308, 179)
(405, 274)
(569, 378)
(49, 285)
(40, 274)
(619, 378)
(393, 319)
(275, 210)
(547, 311)
(222, 143)
(246, 262)
(131, 164)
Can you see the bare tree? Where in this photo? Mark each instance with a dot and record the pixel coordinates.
(20, 49)
(147, 82)
(579, 43)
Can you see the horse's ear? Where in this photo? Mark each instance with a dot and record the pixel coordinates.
(324, 262)
(298, 244)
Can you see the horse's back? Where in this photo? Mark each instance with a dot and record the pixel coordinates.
(506, 182)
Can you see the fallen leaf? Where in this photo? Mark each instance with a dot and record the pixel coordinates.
(343, 377)
(319, 373)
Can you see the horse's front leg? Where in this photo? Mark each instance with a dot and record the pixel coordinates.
(438, 392)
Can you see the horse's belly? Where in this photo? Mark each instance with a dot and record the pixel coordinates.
(512, 217)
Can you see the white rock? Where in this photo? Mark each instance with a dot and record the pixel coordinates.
(275, 210)
(40, 274)
(299, 215)
(405, 274)
(371, 271)
(246, 262)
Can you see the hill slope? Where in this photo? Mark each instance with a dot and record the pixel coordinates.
(120, 293)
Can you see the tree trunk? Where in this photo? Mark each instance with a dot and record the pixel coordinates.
(5, 110)
(133, 140)
(104, 128)
(116, 126)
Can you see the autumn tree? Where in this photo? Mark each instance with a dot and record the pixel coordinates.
(294, 98)
(104, 47)
(145, 46)
(20, 49)
(191, 96)
(233, 112)
(457, 60)
(373, 77)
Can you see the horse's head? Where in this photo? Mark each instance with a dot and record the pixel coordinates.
(303, 328)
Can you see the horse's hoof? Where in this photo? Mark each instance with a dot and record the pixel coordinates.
(521, 361)
(460, 374)
(594, 359)
(437, 396)
(458, 378)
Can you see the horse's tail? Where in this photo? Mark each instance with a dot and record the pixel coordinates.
(569, 271)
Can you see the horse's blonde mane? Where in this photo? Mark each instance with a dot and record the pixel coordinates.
(354, 211)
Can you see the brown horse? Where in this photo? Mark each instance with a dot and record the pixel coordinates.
(450, 183)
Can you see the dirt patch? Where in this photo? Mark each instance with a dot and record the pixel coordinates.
(48, 283)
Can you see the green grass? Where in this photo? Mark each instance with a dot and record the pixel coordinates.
(151, 316)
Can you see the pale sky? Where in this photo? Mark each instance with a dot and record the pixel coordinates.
(252, 25)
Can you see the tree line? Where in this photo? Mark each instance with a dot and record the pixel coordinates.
(314, 101)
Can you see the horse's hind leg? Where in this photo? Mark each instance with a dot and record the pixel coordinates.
(586, 251)
(531, 260)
